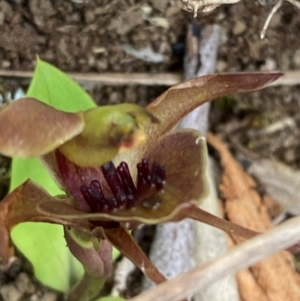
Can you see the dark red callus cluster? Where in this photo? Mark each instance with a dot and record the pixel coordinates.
(125, 194)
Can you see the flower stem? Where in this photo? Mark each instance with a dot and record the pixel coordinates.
(86, 289)
(123, 241)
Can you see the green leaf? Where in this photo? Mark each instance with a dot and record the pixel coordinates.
(44, 244)
(116, 253)
(58, 90)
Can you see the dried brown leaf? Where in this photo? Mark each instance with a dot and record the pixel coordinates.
(275, 275)
(250, 288)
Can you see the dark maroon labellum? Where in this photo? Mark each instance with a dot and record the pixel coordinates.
(125, 194)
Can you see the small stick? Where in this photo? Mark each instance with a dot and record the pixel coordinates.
(145, 79)
(270, 16)
(239, 258)
(113, 79)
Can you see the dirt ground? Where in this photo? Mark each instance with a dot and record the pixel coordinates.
(148, 36)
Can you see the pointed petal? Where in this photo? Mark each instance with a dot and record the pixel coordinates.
(200, 215)
(181, 99)
(21, 205)
(124, 242)
(33, 128)
(108, 130)
(184, 155)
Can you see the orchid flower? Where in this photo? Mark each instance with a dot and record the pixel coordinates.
(120, 166)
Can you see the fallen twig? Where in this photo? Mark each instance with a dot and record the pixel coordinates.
(113, 79)
(118, 79)
(239, 258)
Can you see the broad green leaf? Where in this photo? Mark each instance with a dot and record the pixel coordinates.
(116, 253)
(57, 89)
(44, 244)
(45, 247)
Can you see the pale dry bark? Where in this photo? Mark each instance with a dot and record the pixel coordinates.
(179, 246)
(122, 272)
(280, 181)
(173, 247)
(210, 242)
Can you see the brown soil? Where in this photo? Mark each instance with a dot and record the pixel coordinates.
(93, 36)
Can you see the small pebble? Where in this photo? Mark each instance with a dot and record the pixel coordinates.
(160, 5)
(221, 66)
(6, 64)
(89, 16)
(239, 27)
(10, 293)
(130, 94)
(1, 18)
(75, 17)
(115, 97)
(24, 285)
(296, 58)
(102, 64)
(49, 296)
(269, 65)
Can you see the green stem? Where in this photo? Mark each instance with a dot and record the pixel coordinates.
(86, 289)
